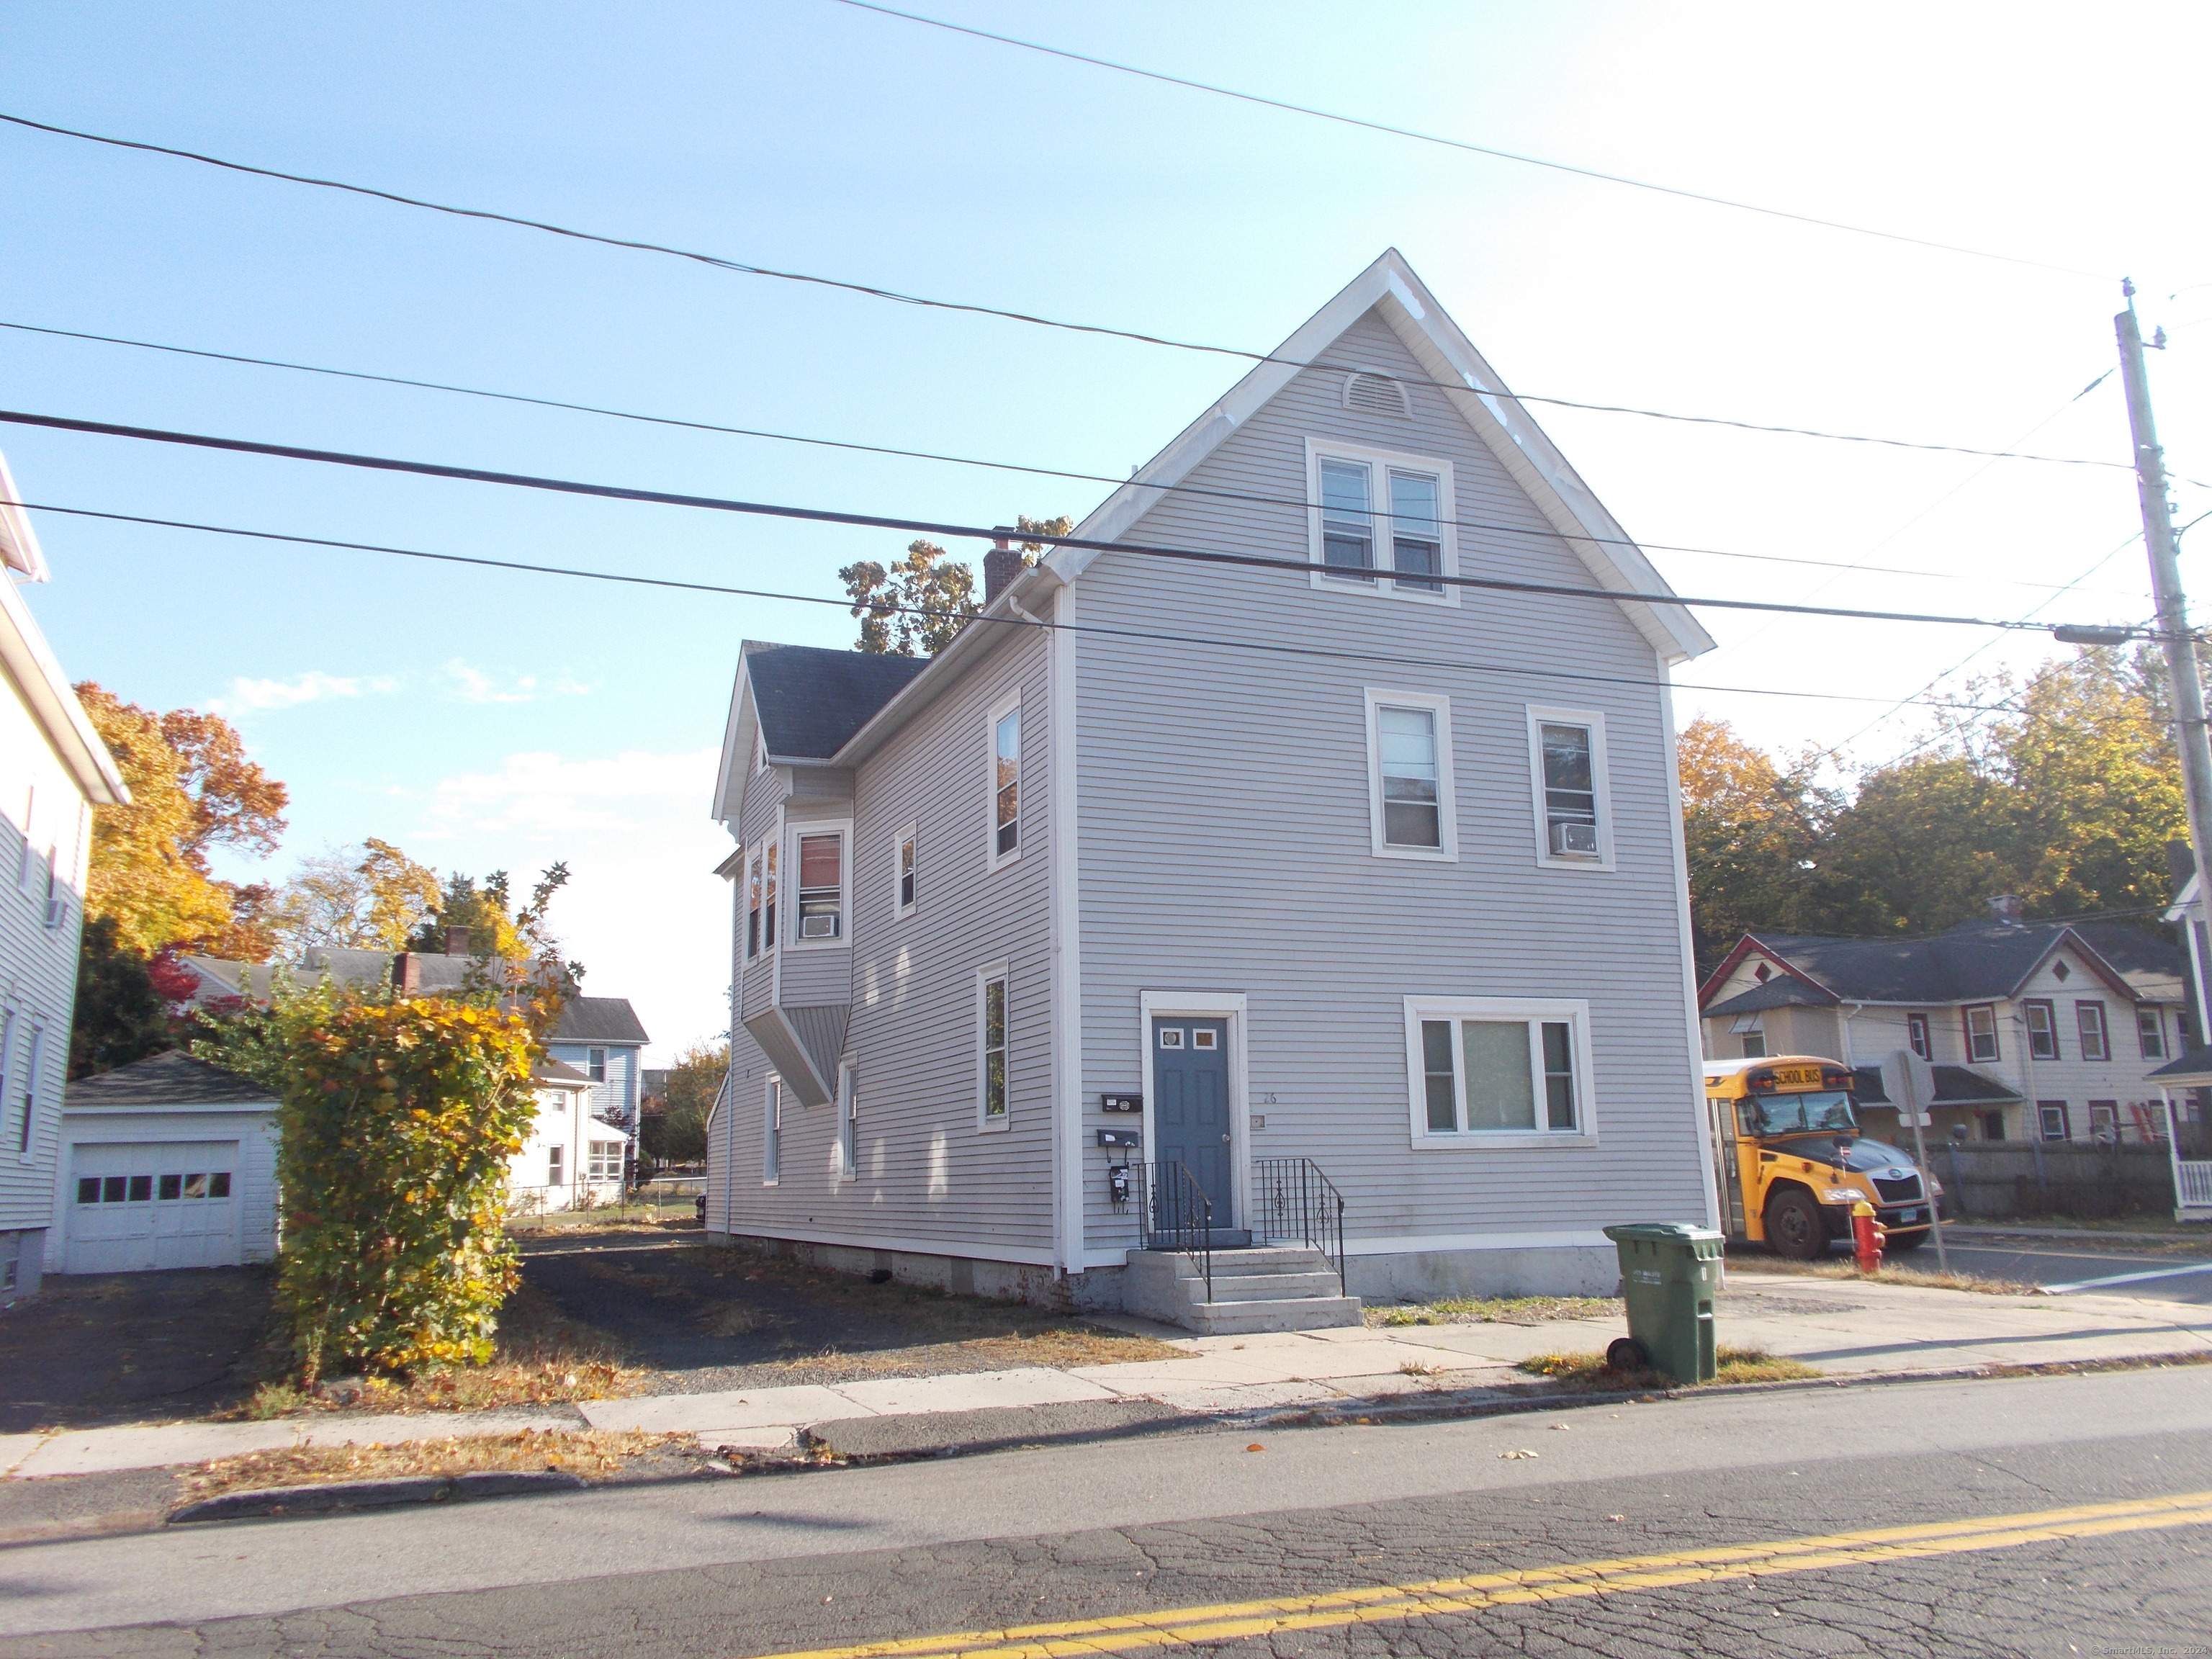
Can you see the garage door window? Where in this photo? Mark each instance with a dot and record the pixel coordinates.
(139, 1189)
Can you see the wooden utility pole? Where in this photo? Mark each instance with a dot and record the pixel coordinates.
(2187, 689)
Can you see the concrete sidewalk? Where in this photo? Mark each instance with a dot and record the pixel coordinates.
(1844, 1328)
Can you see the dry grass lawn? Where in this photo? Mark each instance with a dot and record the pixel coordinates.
(1498, 1310)
(543, 1357)
(1588, 1373)
(1061, 1346)
(590, 1453)
(1890, 1274)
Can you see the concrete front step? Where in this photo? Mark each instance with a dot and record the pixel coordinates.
(1279, 1288)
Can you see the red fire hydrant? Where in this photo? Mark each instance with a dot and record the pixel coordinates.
(1866, 1237)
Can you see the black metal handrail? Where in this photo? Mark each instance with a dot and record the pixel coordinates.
(1178, 1215)
(1291, 1199)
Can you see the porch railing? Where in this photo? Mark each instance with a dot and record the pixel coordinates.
(2196, 1183)
(1293, 1201)
(1178, 1215)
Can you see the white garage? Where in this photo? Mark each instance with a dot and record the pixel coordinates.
(165, 1163)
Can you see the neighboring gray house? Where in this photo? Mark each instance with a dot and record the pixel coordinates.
(54, 772)
(601, 1037)
(2035, 1030)
(1333, 872)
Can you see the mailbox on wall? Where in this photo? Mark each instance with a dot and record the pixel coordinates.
(1121, 1103)
(1120, 1137)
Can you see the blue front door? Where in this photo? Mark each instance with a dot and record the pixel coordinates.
(1190, 1103)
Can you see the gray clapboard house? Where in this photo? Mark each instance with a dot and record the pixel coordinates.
(1336, 882)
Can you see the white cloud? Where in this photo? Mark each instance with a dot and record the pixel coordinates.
(472, 684)
(247, 697)
(541, 792)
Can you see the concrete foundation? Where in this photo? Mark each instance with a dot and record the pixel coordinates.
(22, 1253)
(1429, 1275)
(956, 1275)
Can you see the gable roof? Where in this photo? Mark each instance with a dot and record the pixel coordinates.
(810, 702)
(1390, 287)
(600, 1019)
(174, 1078)
(1977, 962)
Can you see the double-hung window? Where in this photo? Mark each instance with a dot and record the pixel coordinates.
(760, 900)
(1382, 522)
(2042, 1031)
(595, 1064)
(1409, 783)
(1574, 807)
(2089, 1017)
(752, 904)
(1917, 1035)
(1981, 1023)
(991, 1103)
(603, 1160)
(821, 885)
(32, 1062)
(848, 1124)
(772, 1133)
(2150, 1033)
(910, 840)
(1006, 737)
(1491, 1070)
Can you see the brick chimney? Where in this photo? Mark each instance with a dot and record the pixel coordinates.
(2005, 907)
(407, 971)
(459, 941)
(1001, 566)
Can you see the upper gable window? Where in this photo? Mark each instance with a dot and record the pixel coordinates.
(1382, 522)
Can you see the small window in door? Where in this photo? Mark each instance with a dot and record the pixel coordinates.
(88, 1189)
(1202, 1038)
(1170, 1036)
(172, 1186)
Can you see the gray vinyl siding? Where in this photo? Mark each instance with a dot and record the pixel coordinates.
(1224, 842)
(929, 1181)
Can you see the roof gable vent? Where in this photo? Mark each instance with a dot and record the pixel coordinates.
(1375, 394)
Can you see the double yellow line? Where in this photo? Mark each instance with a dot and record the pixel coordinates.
(1134, 1632)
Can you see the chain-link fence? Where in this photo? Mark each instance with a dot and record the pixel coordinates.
(670, 1197)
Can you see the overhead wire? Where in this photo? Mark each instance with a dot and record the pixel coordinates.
(1543, 533)
(928, 526)
(633, 579)
(745, 268)
(1463, 144)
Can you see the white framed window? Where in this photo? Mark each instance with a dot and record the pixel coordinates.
(2042, 1031)
(1409, 776)
(905, 870)
(1981, 1026)
(2089, 1017)
(603, 1160)
(753, 904)
(30, 1093)
(848, 1124)
(2150, 1033)
(1916, 1034)
(771, 861)
(556, 1170)
(1567, 776)
(1380, 522)
(1499, 1072)
(772, 1131)
(819, 852)
(1003, 737)
(595, 1065)
(993, 1108)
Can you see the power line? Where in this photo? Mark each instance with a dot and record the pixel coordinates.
(1544, 533)
(743, 268)
(631, 579)
(1462, 144)
(933, 527)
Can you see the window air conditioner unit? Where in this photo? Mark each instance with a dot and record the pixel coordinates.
(56, 912)
(818, 928)
(1574, 841)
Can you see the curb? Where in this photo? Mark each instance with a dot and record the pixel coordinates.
(1982, 1230)
(282, 1501)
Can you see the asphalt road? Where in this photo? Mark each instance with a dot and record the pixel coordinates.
(2068, 1517)
(2045, 1261)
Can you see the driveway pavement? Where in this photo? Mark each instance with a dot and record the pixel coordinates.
(93, 1348)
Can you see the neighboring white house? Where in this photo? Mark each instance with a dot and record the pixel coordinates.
(2034, 1031)
(573, 1159)
(168, 1162)
(54, 770)
(1266, 884)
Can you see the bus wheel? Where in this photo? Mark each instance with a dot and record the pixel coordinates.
(1794, 1226)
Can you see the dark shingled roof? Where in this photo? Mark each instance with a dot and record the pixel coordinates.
(2197, 1062)
(811, 701)
(600, 1019)
(1780, 992)
(1956, 1086)
(1976, 962)
(550, 1070)
(174, 1078)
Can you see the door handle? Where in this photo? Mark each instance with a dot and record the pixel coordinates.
(1224, 1138)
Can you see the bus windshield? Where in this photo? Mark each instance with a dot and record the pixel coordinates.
(1782, 1115)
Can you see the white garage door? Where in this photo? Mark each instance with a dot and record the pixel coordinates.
(158, 1203)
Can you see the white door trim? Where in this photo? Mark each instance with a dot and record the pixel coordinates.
(1228, 1006)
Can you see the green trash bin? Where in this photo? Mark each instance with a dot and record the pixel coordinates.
(1668, 1271)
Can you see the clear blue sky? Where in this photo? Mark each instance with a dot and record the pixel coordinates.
(482, 720)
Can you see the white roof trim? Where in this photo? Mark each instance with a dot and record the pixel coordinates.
(1492, 411)
(45, 691)
(19, 543)
(729, 768)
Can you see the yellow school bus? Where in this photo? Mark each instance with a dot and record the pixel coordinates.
(1790, 1161)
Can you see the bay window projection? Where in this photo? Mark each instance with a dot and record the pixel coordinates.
(753, 904)
(822, 885)
(1495, 1068)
